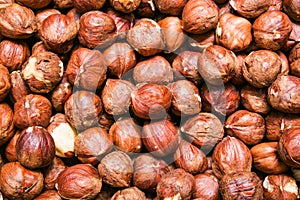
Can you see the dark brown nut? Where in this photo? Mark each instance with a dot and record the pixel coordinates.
(233, 32)
(132, 193)
(126, 135)
(190, 158)
(88, 5)
(5, 82)
(91, 144)
(222, 100)
(49, 195)
(148, 171)
(34, 4)
(271, 30)
(32, 110)
(200, 16)
(170, 7)
(63, 4)
(153, 70)
(275, 5)
(246, 126)
(119, 58)
(125, 6)
(35, 147)
(106, 121)
(231, 155)
(17, 182)
(63, 135)
(201, 41)
(52, 171)
(152, 41)
(241, 185)
(292, 9)
(151, 101)
(295, 53)
(146, 9)
(205, 130)
(296, 173)
(185, 66)
(58, 33)
(203, 182)
(80, 181)
(280, 187)
(216, 64)
(41, 15)
(10, 149)
(278, 123)
(13, 53)
(82, 109)
(185, 98)
(288, 147)
(284, 94)
(6, 123)
(42, 72)
(266, 159)
(177, 184)
(257, 63)
(249, 8)
(116, 169)
(116, 96)
(17, 22)
(106, 192)
(97, 29)
(255, 100)
(86, 69)
(161, 138)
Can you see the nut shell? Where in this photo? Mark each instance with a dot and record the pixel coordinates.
(250, 8)
(88, 5)
(6, 123)
(132, 193)
(203, 182)
(5, 82)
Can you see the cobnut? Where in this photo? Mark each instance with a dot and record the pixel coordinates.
(60, 94)
(52, 171)
(131, 193)
(292, 9)
(5, 82)
(18, 88)
(49, 195)
(10, 149)
(125, 6)
(6, 123)
(206, 187)
(250, 8)
(34, 4)
(43, 14)
(199, 42)
(170, 8)
(63, 4)
(88, 5)
(238, 78)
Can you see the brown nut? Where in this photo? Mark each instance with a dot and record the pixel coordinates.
(10, 149)
(153, 70)
(200, 16)
(276, 5)
(216, 65)
(257, 63)
(17, 182)
(132, 193)
(34, 4)
(5, 82)
(231, 155)
(116, 169)
(177, 184)
(246, 126)
(201, 41)
(41, 15)
(266, 159)
(292, 9)
(125, 6)
(152, 41)
(284, 94)
(52, 171)
(32, 110)
(88, 5)
(241, 185)
(80, 181)
(203, 182)
(18, 88)
(249, 8)
(238, 78)
(49, 195)
(17, 22)
(146, 9)
(6, 123)
(97, 29)
(233, 32)
(170, 7)
(280, 187)
(271, 30)
(63, 4)
(106, 121)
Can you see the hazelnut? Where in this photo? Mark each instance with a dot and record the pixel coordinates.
(148, 171)
(91, 144)
(52, 171)
(250, 8)
(170, 8)
(200, 16)
(6, 123)
(233, 32)
(17, 182)
(284, 94)
(88, 5)
(295, 69)
(86, 69)
(41, 15)
(106, 121)
(216, 64)
(74, 15)
(225, 7)
(292, 9)
(80, 181)
(205, 130)
(241, 185)
(222, 100)
(60, 94)
(82, 109)
(271, 30)
(58, 33)
(49, 195)
(280, 187)
(257, 63)
(177, 184)
(97, 29)
(146, 9)
(17, 22)
(5, 82)
(152, 41)
(18, 88)
(125, 6)
(185, 98)
(132, 193)
(63, 4)
(32, 110)
(126, 135)
(63, 135)
(276, 5)
(42, 72)
(119, 58)
(266, 159)
(33, 4)
(116, 169)
(206, 187)
(295, 53)
(153, 70)
(231, 155)
(10, 149)
(201, 41)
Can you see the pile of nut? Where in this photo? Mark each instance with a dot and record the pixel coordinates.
(150, 99)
